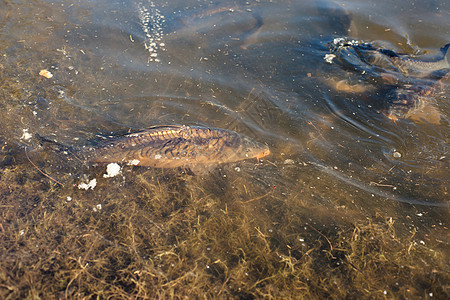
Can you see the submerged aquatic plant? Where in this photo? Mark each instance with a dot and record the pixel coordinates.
(154, 234)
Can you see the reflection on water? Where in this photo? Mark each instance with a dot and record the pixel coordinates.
(254, 67)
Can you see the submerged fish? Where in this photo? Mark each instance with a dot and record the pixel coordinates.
(420, 67)
(406, 83)
(175, 146)
(363, 56)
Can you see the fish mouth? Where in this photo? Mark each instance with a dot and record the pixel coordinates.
(263, 154)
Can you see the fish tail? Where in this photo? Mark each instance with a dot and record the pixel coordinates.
(446, 53)
(54, 145)
(61, 153)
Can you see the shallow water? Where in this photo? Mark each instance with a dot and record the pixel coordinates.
(254, 67)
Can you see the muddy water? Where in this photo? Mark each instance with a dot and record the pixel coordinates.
(254, 67)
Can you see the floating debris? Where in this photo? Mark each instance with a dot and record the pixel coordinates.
(133, 162)
(112, 170)
(46, 73)
(329, 58)
(97, 208)
(396, 154)
(90, 185)
(26, 135)
(289, 161)
(152, 22)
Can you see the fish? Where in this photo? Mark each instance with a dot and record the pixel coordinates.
(177, 146)
(363, 56)
(406, 83)
(419, 67)
(413, 97)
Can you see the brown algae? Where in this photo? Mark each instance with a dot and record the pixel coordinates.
(159, 236)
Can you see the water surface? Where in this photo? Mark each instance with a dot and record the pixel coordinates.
(254, 67)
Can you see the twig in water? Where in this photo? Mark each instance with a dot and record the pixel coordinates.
(37, 168)
(257, 198)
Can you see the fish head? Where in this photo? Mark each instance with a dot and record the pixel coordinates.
(227, 147)
(249, 148)
(400, 102)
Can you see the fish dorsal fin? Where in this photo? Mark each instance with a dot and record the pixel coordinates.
(388, 53)
(163, 127)
(159, 131)
(156, 127)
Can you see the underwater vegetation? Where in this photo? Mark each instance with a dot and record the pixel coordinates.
(173, 236)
